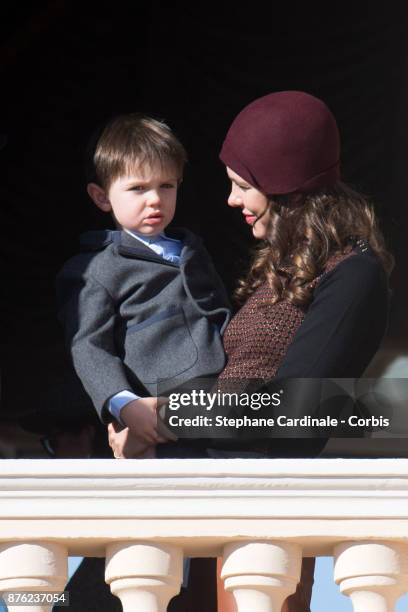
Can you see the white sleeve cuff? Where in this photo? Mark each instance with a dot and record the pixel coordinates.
(119, 401)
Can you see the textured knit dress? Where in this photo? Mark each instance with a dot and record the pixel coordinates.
(336, 336)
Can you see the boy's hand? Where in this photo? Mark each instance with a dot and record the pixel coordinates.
(126, 446)
(140, 416)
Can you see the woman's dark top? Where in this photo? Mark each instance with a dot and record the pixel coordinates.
(336, 337)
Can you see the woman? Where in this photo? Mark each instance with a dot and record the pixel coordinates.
(317, 286)
(314, 303)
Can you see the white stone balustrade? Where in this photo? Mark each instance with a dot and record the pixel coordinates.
(261, 516)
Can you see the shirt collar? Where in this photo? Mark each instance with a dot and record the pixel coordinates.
(149, 239)
(145, 239)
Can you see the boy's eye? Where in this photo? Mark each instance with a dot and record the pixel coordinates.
(137, 188)
(168, 186)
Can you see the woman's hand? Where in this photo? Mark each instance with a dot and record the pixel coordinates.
(125, 445)
(140, 416)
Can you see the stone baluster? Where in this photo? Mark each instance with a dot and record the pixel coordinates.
(144, 576)
(372, 574)
(32, 567)
(261, 574)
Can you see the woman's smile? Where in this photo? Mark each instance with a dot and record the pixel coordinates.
(254, 204)
(250, 218)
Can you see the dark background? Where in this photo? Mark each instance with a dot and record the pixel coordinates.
(68, 66)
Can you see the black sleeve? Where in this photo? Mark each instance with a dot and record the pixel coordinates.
(344, 324)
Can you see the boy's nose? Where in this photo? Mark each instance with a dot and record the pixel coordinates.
(153, 197)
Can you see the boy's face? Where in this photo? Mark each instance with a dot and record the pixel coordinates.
(144, 201)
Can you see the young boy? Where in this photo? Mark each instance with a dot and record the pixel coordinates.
(143, 309)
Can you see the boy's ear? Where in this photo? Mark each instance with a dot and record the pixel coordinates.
(98, 195)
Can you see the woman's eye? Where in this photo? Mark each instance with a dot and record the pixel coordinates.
(241, 187)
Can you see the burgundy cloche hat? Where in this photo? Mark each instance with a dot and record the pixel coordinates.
(285, 142)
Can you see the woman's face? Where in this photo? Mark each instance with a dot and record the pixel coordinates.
(253, 203)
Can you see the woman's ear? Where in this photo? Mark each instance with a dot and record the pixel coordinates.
(99, 197)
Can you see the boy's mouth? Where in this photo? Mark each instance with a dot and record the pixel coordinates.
(153, 219)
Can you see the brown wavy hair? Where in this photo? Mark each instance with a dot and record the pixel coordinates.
(301, 239)
(132, 141)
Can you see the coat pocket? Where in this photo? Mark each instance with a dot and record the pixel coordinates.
(160, 347)
(171, 311)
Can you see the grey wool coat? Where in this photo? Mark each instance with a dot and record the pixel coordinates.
(136, 321)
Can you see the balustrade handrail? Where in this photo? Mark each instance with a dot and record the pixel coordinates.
(261, 515)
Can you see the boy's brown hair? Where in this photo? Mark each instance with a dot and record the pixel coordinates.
(134, 141)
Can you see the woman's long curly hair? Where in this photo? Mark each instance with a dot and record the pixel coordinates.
(301, 239)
